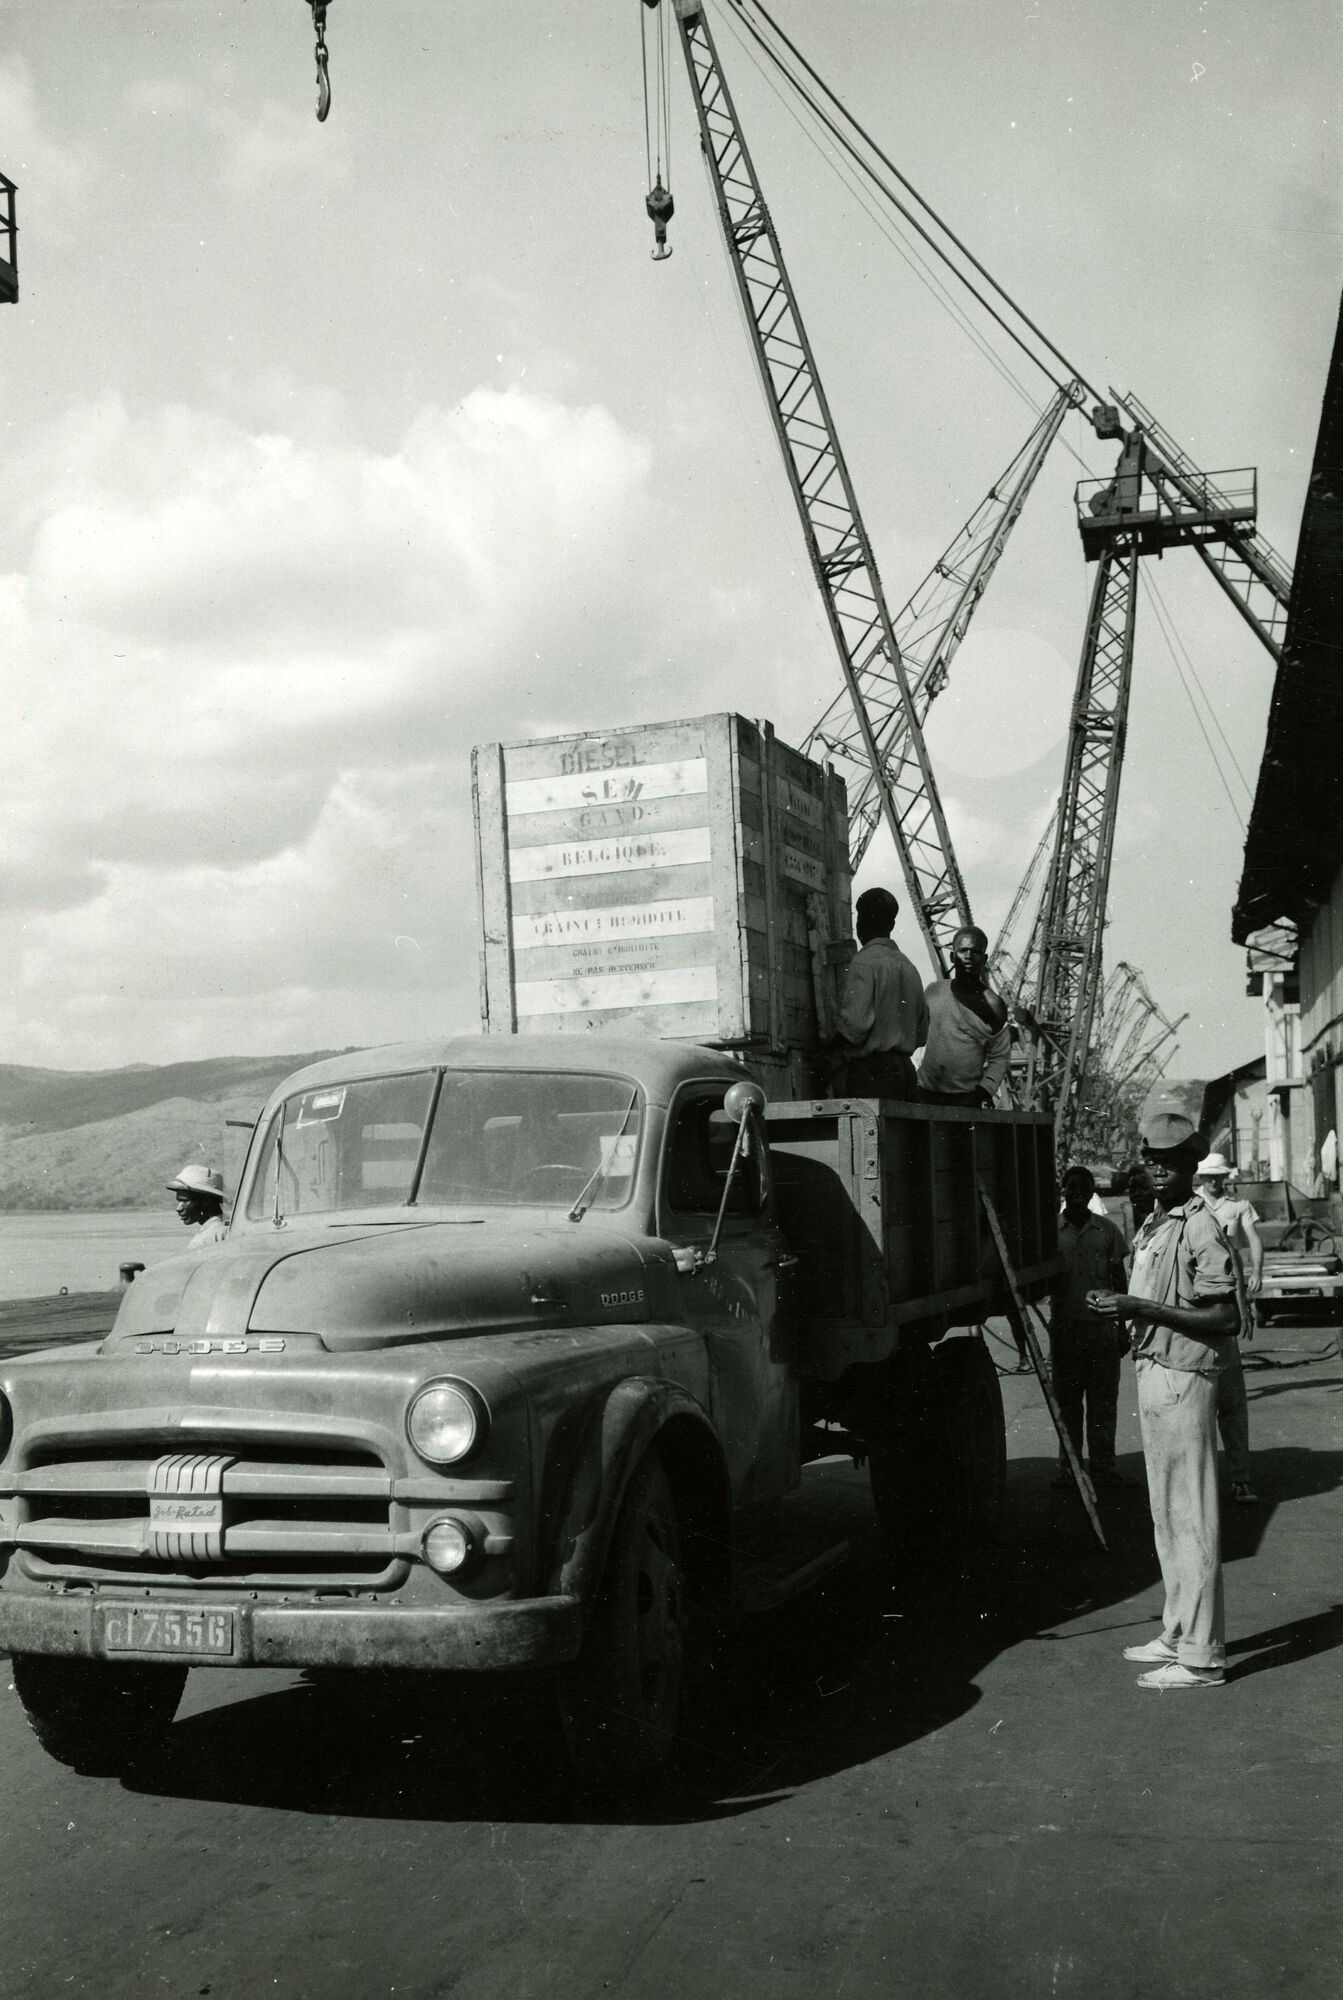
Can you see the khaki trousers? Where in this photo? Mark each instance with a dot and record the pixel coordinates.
(1178, 1413)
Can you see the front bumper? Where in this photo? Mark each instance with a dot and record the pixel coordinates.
(527, 1632)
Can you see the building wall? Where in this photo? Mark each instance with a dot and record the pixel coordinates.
(1320, 963)
(1249, 1129)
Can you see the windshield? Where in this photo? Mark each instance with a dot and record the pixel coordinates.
(493, 1138)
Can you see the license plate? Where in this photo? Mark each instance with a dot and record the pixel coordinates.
(183, 1630)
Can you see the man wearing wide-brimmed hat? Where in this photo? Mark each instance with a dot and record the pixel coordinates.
(199, 1194)
(1182, 1296)
(1240, 1226)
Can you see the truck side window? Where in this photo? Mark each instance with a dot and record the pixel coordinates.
(698, 1158)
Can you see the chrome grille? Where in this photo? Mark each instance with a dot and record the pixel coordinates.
(225, 1512)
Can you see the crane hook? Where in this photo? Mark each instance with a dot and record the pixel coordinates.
(660, 208)
(319, 8)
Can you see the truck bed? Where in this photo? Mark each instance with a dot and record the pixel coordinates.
(881, 1205)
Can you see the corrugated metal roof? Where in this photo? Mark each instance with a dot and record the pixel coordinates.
(1295, 839)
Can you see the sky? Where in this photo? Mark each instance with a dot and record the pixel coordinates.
(328, 451)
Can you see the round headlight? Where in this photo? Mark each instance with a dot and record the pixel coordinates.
(447, 1545)
(443, 1423)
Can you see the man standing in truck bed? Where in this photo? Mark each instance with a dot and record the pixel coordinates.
(882, 1014)
(968, 1042)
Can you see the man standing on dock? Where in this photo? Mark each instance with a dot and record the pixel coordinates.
(1240, 1225)
(199, 1194)
(882, 1014)
(1182, 1297)
(1085, 1347)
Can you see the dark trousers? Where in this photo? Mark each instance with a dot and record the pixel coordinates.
(890, 1074)
(1084, 1364)
(1233, 1415)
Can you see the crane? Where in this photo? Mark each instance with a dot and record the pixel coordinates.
(928, 630)
(1157, 499)
(904, 790)
(1133, 1044)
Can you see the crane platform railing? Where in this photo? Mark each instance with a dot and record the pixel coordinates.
(1165, 513)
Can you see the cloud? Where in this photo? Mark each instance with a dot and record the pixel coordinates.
(51, 177)
(242, 672)
(278, 146)
(273, 149)
(1005, 705)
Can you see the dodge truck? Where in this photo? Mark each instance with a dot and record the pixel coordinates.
(512, 1358)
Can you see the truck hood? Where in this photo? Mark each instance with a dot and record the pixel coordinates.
(362, 1287)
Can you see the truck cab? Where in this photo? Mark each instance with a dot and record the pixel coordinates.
(507, 1361)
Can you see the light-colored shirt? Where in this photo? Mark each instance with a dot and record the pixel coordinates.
(209, 1232)
(1232, 1213)
(1093, 1261)
(1182, 1258)
(963, 1054)
(882, 1007)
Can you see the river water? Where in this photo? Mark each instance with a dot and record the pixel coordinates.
(43, 1251)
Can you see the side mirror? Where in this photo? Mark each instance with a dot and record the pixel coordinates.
(739, 1103)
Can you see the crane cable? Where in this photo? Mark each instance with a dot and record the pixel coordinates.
(1175, 646)
(1071, 372)
(657, 122)
(909, 252)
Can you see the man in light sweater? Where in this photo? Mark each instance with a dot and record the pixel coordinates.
(965, 1058)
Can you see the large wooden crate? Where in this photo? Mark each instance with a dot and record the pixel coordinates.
(682, 879)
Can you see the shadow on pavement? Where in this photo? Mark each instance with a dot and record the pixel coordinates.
(1300, 1639)
(875, 1658)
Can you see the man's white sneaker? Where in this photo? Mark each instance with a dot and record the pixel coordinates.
(1176, 1675)
(1154, 1652)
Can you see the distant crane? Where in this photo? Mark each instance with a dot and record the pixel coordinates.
(1134, 1043)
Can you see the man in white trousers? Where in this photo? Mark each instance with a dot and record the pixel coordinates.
(1182, 1300)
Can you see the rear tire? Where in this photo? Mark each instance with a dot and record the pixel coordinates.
(97, 1719)
(621, 1699)
(976, 1434)
(945, 1473)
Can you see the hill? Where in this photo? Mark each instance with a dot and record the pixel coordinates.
(84, 1139)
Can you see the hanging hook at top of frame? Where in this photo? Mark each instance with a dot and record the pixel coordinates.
(319, 8)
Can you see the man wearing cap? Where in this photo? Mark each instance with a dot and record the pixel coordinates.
(199, 1194)
(1240, 1225)
(882, 1015)
(1182, 1298)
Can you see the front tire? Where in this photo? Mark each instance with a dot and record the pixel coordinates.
(97, 1719)
(620, 1700)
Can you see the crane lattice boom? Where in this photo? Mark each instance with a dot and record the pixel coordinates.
(837, 541)
(928, 630)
